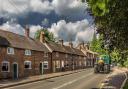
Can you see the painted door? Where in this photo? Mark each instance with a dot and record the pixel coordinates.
(54, 66)
(15, 71)
(41, 68)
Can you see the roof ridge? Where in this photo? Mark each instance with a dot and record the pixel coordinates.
(11, 32)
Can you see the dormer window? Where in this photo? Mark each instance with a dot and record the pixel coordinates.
(27, 52)
(10, 50)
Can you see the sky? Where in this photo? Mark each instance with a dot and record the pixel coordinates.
(66, 19)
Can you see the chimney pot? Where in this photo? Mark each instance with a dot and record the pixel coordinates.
(71, 44)
(27, 31)
(61, 42)
(42, 37)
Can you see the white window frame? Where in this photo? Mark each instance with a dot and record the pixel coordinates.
(30, 66)
(11, 50)
(57, 54)
(45, 63)
(8, 66)
(45, 54)
(57, 64)
(28, 52)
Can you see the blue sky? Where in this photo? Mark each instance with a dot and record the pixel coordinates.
(67, 19)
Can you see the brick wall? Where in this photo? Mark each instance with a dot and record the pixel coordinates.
(19, 57)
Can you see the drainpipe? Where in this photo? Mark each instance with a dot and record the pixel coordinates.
(51, 64)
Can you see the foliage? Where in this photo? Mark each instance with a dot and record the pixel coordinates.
(96, 45)
(111, 21)
(48, 35)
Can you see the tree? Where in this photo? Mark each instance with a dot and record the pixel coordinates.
(48, 35)
(97, 45)
(111, 21)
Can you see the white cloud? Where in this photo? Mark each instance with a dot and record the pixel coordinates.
(78, 31)
(45, 22)
(69, 7)
(33, 29)
(41, 6)
(13, 8)
(12, 27)
(18, 29)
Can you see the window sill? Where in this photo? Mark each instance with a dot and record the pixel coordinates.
(5, 71)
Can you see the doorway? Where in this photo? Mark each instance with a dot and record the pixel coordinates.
(41, 68)
(15, 70)
(54, 66)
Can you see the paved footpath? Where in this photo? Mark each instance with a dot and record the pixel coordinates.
(8, 83)
(116, 80)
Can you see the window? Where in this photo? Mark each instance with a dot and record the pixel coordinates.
(57, 54)
(5, 66)
(27, 52)
(80, 63)
(10, 50)
(66, 55)
(45, 64)
(62, 63)
(57, 64)
(45, 54)
(27, 65)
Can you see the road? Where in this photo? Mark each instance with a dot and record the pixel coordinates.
(82, 80)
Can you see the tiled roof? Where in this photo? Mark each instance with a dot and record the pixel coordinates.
(18, 41)
(65, 49)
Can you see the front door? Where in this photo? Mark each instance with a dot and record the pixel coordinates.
(41, 68)
(54, 66)
(15, 70)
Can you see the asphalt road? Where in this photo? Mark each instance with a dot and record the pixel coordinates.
(82, 80)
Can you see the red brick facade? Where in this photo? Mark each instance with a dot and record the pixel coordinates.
(19, 58)
(44, 57)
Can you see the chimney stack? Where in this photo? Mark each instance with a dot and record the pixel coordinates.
(71, 44)
(82, 44)
(61, 42)
(27, 31)
(42, 37)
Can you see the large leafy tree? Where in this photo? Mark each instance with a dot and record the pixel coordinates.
(48, 35)
(111, 21)
(96, 44)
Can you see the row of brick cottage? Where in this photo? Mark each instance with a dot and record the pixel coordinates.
(22, 56)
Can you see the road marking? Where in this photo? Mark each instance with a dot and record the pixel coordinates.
(70, 82)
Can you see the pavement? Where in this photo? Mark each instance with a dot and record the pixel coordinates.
(9, 82)
(80, 79)
(115, 80)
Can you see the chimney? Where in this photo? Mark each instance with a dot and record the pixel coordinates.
(82, 44)
(87, 47)
(71, 44)
(27, 31)
(61, 42)
(42, 37)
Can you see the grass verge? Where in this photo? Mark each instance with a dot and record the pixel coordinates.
(126, 85)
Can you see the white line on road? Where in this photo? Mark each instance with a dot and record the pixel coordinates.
(70, 82)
